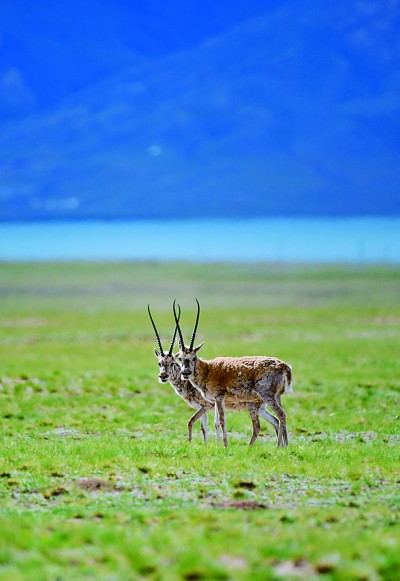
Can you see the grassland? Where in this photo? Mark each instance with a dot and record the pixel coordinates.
(97, 480)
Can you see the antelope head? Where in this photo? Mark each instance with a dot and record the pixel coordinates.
(166, 361)
(187, 356)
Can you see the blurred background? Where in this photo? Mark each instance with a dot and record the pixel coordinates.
(232, 130)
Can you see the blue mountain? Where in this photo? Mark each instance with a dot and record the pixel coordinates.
(287, 108)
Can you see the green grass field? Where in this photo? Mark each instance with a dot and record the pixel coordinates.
(97, 479)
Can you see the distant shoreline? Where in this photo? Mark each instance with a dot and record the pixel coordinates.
(130, 219)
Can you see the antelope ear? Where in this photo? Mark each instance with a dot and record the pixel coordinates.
(197, 349)
(156, 353)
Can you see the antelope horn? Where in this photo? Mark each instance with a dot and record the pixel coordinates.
(181, 341)
(195, 327)
(174, 337)
(156, 332)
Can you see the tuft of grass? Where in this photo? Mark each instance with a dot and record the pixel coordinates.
(97, 479)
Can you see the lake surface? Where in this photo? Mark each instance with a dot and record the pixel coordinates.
(285, 240)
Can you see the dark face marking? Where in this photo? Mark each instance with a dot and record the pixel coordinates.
(187, 361)
(166, 364)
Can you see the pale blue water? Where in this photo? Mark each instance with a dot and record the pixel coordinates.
(286, 240)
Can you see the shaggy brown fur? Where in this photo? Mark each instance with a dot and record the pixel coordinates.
(244, 379)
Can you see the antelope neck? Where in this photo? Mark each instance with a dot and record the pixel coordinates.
(197, 371)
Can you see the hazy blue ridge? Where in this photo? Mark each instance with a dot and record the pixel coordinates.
(289, 110)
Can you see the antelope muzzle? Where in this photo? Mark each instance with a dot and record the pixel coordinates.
(163, 376)
(186, 371)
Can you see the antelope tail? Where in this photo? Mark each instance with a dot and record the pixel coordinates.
(288, 381)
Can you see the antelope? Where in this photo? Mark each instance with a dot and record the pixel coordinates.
(241, 379)
(170, 371)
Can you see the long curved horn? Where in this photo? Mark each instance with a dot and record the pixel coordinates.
(156, 332)
(181, 341)
(174, 337)
(195, 327)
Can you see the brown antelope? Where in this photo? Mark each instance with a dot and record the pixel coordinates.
(170, 371)
(241, 379)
